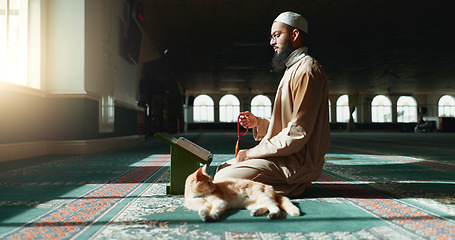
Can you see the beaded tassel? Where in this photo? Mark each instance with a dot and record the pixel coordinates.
(238, 136)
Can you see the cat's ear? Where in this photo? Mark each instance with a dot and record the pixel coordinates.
(204, 168)
(199, 174)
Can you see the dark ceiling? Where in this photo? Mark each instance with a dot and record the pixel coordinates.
(377, 47)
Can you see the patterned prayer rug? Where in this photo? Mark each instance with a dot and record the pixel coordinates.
(363, 193)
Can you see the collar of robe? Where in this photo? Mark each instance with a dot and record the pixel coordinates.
(296, 55)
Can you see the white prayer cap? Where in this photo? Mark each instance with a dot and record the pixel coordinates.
(294, 20)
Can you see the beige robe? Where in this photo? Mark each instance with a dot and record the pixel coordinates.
(297, 136)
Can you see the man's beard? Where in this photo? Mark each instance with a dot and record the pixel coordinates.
(280, 59)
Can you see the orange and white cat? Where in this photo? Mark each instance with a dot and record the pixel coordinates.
(211, 199)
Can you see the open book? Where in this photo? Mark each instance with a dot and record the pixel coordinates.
(194, 149)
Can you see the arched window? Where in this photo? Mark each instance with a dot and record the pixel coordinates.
(381, 109)
(203, 109)
(446, 106)
(406, 109)
(229, 108)
(14, 35)
(261, 106)
(343, 109)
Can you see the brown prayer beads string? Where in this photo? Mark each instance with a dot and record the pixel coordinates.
(238, 136)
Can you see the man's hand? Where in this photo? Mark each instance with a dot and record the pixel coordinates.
(248, 120)
(241, 156)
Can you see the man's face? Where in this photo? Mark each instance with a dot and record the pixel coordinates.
(281, 43)
(278, 36)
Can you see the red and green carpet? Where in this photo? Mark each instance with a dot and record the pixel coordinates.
(374, 186)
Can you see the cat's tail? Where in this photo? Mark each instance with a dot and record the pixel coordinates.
(287, 205)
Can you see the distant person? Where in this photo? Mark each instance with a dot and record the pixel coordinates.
(295, 139)
(423, 127)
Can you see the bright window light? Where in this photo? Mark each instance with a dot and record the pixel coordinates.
(203, 109)
(343, 109)
(229, 108)
(446, 106)
(381, 109)
(14, 41)
(261, 106)
(406, 109)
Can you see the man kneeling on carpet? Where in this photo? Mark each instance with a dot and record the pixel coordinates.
(295, 139)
